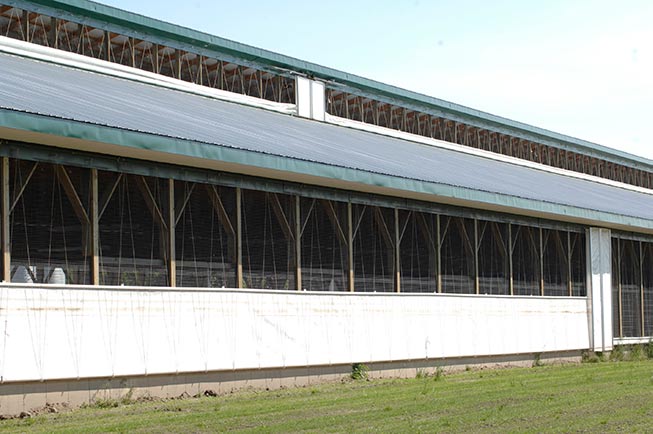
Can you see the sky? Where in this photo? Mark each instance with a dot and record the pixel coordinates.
(578, 67)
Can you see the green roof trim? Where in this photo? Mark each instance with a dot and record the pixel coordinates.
(156, 143)
(140, 26)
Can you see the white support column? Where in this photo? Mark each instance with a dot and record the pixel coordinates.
(318, 100)
(310, 98)
(599, 266)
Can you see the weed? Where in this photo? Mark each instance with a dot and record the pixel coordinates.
(537, 361)
(590, 357)
(103, 403)
(111, 402)
(649, 349)
(601, 356)
(128, 397)
(359, 371)
(637, 352)
(439, 373)
(617, 354)
(421, 373)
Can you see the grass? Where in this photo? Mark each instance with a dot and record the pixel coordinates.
(595, 397)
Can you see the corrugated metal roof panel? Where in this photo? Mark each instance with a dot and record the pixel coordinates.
(61, 92)
(157, 31)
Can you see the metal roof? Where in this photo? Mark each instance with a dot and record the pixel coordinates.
(139, 26)
(58, 100)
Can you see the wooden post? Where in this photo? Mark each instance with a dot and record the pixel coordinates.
(52, 33)
(132, 43)
(477, 286)
(178, 58)
(239, 239)
(107, 46)
(641, 287)
(621, 331)
(397, 258)
(25, 25)
(541, 263)
(200, 75)
(298, 244)
(172, 264)
(95, 229)
(439, 253)
(510, 265)
(350, 248)
(569, 277)
(6, 255)
(156, 68)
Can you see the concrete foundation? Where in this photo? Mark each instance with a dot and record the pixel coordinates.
(17, 397)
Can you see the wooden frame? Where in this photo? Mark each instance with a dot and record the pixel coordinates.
(167, 219)
(94, 215)
(350, 247)
(4, 220)
(239, 237)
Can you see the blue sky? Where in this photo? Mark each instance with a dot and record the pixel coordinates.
(582, 68)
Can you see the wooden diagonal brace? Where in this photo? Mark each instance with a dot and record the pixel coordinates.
(499, 237)
(333, 218)
(179, 210)
(281, 216)
(71, 193)
(220, 210)
(150, 201)
(383, 228)
(107, 195)
(463, 231)
(402, 229)
(23, 185)
(308, 216)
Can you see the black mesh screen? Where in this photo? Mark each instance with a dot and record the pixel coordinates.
(418, 251)
(493, 260)
(324, 245)
(457, 255)
(647, 281)
(373, 249)
(132, 235)
(616, 279)
(578, 263)
(525, 260)
(268, 243)
(630, 288)
(205, 235)
(555, 262)
(49, 228)
(50, 235)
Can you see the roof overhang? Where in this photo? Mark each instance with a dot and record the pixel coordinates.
(157, 31)
(80, 110)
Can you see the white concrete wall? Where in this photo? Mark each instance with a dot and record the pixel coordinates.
(56, 332)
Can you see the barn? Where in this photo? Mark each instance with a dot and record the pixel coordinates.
(182, 212)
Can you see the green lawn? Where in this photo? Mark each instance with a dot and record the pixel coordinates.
(596, 397)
